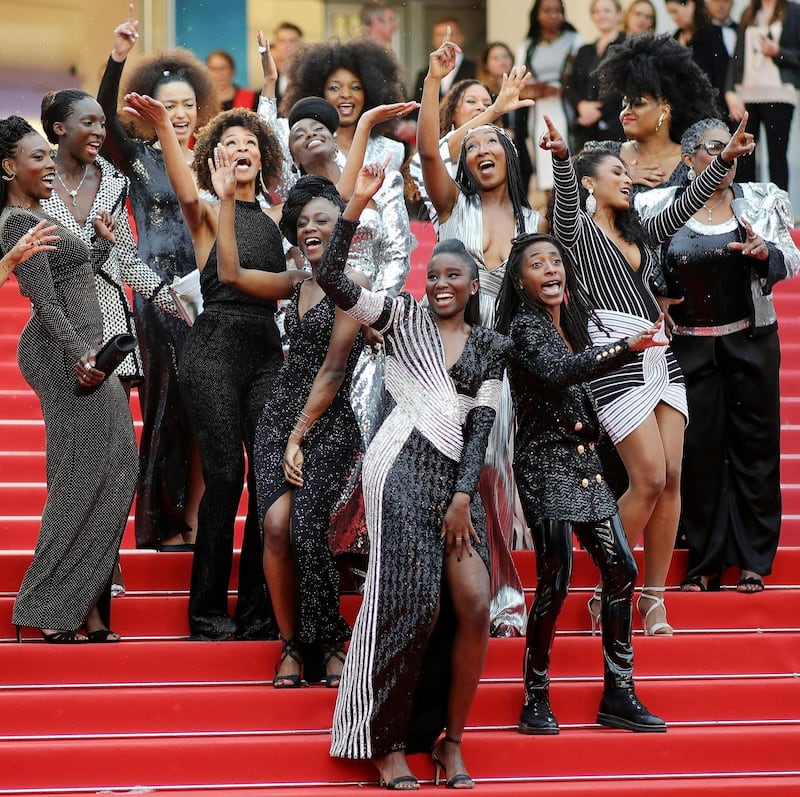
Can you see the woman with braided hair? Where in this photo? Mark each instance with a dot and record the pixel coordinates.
(91, 448)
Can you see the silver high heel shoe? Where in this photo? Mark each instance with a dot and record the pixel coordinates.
(596, 599)
(652, 594)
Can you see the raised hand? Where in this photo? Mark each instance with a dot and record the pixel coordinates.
(655, 336)
(223, 173)
(105, 224)
(553, 141)
(442, 61)
(650, 176)
(741, 143)
(508, 98)
(143, 107)
(755, 246)
(370, 179)
(125, 36)
(384, 113)
(38, 239)
(267, 61)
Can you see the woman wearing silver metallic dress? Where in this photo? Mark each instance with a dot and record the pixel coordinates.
(382, 247)
(87, 185)
(723, 264)
(91, 448)
(485, 207)
(557, 466)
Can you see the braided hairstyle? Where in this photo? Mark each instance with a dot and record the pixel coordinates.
(576, 308)
(664, 68)
(57, 106)
(12, 131)
(212, 133)
(169, 66)
(376, 68)
(308, 187)
(455, 247)
(516, 189)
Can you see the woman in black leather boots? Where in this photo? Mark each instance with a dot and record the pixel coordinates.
(558, 471)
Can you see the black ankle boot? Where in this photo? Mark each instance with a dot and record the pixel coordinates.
(620, 708)
(537, 717)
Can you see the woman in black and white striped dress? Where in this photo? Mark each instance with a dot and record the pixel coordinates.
(643, 405)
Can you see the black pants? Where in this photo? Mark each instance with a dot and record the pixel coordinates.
(606, 544)
(777, 119)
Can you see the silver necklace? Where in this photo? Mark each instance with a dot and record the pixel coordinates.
(74, 194)
(710, 210)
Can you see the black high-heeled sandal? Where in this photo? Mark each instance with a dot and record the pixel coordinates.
(289, 650)
(457, 780)
(64, 637)
(103, 635)
(332, 650)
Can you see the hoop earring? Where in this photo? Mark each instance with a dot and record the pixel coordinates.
(263, 185)
(591, 203)
(8, 179)
(691, 174)
(661, 119)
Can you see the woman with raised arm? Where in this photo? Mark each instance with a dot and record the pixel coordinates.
(91, 448)
(308, 440)
(560, 480)
(642, 405)
(485, 206)
(423, 626)
(723, 264)
(231, 358)
(40, 238)
(170, 480)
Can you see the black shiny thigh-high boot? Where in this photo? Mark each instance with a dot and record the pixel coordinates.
(552, 540)
(619, 708)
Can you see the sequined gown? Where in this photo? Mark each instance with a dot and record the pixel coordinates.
(122, 266)
(430, 445)
(164, 243)
(496, 487)
(624, 298)
(227, 374)
(381, 251)
(91, 448)
(330, 450)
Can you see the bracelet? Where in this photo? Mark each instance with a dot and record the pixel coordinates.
(301, 425)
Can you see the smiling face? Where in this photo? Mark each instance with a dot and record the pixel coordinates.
(314, 227)
(474, 101)
(485, 157)
(448, 285)
(611, 184)
(311, 142)
(241, 145)
(179, 99)
(542, 274)
(32, 167)
(640, 116)
(499, 61)
(714, 139)
(83, 131)
(606, 15)
(640, 18)
(345, 92)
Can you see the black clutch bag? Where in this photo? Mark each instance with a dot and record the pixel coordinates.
(108, 359)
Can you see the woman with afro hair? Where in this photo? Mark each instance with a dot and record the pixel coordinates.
(170, 483)
(663, 92)
(231, 358)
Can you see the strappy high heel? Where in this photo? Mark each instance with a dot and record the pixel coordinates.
(656, 629)
(289, 650)
(332, 650)
(460, 781)
(597, 597)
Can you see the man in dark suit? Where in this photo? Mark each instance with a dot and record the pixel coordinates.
(465, 67)
(720, 13)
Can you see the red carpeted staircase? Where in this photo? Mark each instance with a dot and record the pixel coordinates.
(160, 714)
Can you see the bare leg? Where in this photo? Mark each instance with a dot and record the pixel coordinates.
(468, 580)
(280, 577)
(194, 493)
(394, 766)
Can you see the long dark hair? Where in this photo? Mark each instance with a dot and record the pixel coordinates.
(749, 14)
(516, 189)
(452, 246)
(576, 309)
(535, 29)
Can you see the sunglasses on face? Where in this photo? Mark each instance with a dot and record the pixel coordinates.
(712, 146)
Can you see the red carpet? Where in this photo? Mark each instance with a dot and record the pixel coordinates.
(158, 713)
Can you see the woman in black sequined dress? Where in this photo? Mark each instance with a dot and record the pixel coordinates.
(231, 358)
(170, 483)
(307, 445)
(421, 636)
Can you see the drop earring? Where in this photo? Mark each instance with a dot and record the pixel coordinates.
(691, 174)
(661, 119)
(8, 179)
(591, 203)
